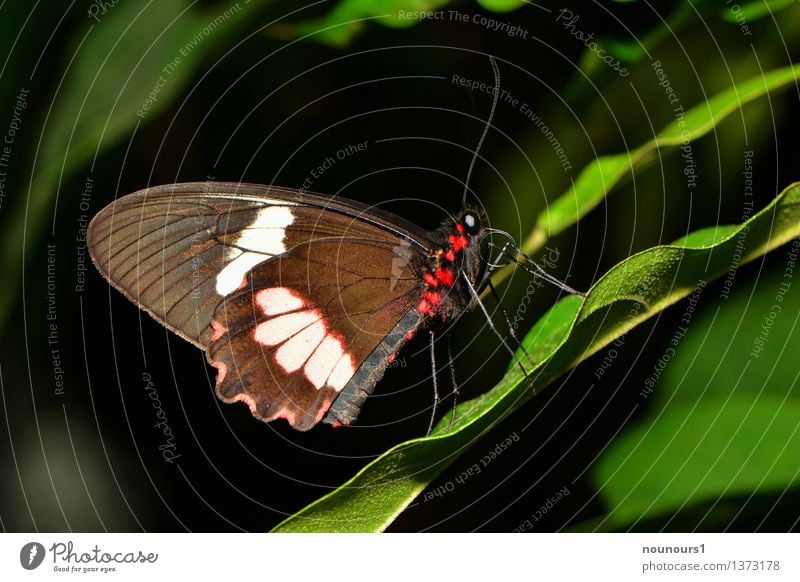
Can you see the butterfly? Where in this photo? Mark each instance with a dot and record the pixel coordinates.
(300, 301)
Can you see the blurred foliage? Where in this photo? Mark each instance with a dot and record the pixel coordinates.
(342, 23)
(131, 68)
(597, 179)
(752, 10)
(723, 414)
(107, 82)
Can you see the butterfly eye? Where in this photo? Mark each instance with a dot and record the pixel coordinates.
(471, 223)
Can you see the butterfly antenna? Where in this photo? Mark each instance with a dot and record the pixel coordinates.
(485, 129)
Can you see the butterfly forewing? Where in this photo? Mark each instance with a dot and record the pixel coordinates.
(298, 299)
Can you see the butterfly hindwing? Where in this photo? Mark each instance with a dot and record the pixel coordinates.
(307, 328)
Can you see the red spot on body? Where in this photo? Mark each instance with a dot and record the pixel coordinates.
(432, 297)
(450, 256)
(430, 280)
(458, 242)
(222, 371)
(243, 284)
(445, 276)
(460, 227)
(424, 307)
(409, 335)
(337, 424)
(391, 358)
(219, 330)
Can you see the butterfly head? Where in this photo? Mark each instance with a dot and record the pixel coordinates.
(474, 228)
(472, 223)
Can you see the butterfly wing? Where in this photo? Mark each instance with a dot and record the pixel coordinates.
(291, 342)
(299, 300)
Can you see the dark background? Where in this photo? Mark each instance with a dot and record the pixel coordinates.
(268, 110)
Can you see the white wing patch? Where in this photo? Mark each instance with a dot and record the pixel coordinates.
(277, 330)
(278, 300)
(262, 240)
(230, 278)
(295, 352)
(321, 363)
(304, 339)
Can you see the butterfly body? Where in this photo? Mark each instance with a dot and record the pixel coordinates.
(300, 301)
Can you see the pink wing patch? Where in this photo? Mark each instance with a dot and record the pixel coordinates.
(294, 353)
(322, 362)
(222, 371)
(304, 338)
(219, 330)
(289, 362)
(247, 399)
(277, 330)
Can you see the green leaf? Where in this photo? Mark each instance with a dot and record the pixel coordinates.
(695, 453)
(728, 395)
(128, 67)
(744, 348)
(748, 11)
(600, 176)
(349, 17)
(502, 5)
(573, 329)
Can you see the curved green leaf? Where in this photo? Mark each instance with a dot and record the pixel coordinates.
(745, 348)
(573, 329)
(727, 397)
(697, 453)
(600, 176)
(349, 17)
(502, 5)
(751, 10)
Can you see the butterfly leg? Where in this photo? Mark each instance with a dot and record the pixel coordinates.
(493, 265)
(436, 400)
(453, 378)
(511, 331)
(494, 329)
(532, 268)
